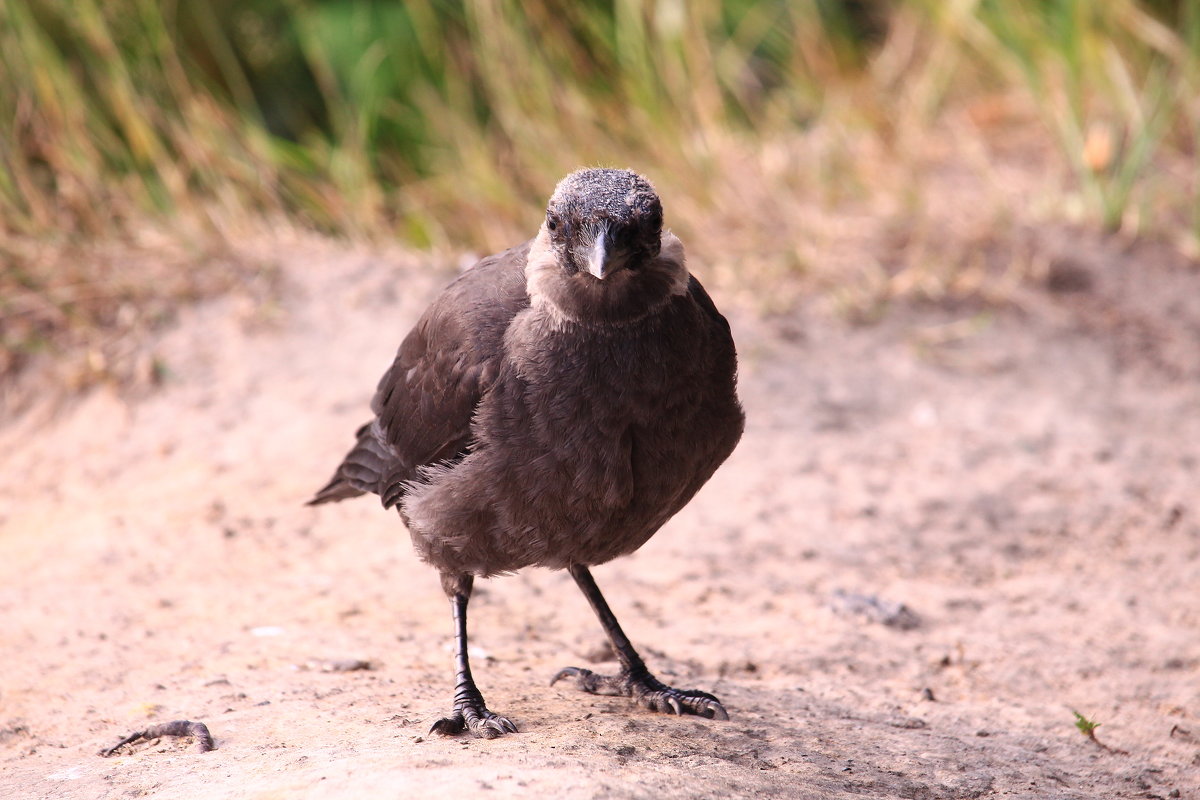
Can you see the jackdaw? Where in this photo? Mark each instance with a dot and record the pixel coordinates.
(555, 405)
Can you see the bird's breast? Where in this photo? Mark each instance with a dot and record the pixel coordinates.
(609, 417)
(585, 444)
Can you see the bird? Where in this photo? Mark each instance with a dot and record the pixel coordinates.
(553, 407)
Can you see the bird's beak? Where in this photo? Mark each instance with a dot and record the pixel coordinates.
(597, 258)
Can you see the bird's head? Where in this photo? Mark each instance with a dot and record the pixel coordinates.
(601, 253)
(602, 221)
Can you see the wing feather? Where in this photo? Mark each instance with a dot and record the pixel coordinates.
(425, 401)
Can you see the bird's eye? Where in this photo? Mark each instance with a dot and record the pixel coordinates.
(552, 223)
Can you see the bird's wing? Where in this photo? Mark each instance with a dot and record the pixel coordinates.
(425, 401)
(700, 296)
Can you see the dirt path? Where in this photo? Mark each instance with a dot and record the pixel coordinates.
(1025, 486)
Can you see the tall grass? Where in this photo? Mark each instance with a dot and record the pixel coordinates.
(1113, 82)
(382, 116)
(445, 122)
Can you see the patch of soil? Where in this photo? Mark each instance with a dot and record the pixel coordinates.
(1024, 491)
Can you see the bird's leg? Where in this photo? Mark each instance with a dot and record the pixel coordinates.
(469, 713)
(634, 680)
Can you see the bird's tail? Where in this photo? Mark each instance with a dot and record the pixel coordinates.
(336, 489)
(359, 472)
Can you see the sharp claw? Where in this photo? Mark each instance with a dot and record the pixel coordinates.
(496, 726)
(447, 726)
(566, 672)
(719, 712)
(676, 709)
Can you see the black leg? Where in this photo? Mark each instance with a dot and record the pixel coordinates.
(469, 713)
(634, 680)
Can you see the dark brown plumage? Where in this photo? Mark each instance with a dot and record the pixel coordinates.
(554, 406)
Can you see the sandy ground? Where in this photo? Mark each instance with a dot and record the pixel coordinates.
(1022, 481)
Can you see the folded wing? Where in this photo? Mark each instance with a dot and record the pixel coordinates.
(425, 401)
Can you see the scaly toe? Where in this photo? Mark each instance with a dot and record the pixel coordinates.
(705, 705)
(488, 725)
(647, 691)
(479, 722)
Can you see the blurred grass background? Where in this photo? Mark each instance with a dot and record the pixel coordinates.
(140, 138)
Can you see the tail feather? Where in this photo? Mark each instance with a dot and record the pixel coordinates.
(360, 471)
(336, 489)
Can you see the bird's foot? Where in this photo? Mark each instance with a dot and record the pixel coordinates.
(647, 691)
(472, 715)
